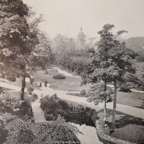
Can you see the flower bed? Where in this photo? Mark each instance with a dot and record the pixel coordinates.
(59, 76)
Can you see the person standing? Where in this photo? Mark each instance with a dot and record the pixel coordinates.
(46, 82)
(40, 84)
(41, 97)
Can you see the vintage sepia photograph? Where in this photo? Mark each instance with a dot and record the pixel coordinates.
(71, 72)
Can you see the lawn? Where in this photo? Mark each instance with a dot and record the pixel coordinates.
(133, 99)
(128, 127)
(68, 84)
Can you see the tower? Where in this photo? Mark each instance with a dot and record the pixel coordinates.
(81, 39)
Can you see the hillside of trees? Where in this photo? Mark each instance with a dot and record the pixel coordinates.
(136, 44)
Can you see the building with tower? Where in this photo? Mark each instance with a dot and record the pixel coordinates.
(80, 41)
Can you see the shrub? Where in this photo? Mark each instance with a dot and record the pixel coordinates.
(5, 96)
(44, 102)
(63, 104)
(74, 94)
(26, 109)
(30, 89)
(124, 88)
(31, 80)
(35, 96)
(49, 117)
(55, 97)
(83, 92)
(53, 106)
(58, 77)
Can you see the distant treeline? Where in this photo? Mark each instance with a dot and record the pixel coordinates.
(73, 62)
(136, 44)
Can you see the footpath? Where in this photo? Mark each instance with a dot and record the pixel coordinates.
(80, 100)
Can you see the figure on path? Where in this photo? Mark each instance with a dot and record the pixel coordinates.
(40, 84)
(46, 82)
(41, 97)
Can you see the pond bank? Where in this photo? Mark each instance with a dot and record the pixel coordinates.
(106, 139)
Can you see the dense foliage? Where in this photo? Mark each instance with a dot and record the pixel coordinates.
(72, 64)
(83, 92)
(136, 44)
(53, 106)
(17, 131)
(14, 106)
(17, 40)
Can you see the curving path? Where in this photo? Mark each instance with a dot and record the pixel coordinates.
(62, 94)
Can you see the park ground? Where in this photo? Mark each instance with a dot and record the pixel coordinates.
(129, 127)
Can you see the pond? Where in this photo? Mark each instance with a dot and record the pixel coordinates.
(89, 134)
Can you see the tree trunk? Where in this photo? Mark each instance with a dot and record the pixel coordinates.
(114, 105)
(22, 88)
(105, 110)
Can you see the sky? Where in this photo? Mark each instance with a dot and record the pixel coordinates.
(66, 17)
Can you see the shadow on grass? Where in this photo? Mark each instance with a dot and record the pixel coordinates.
(128, 127)
(122, 119)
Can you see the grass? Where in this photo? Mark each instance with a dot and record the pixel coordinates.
(133, 99)
(68, 84)
(15, 95)
(128, 127)
(3, 89)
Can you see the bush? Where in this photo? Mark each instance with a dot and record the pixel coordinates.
(31, 80)
(124, 88)
(35, 96)
(63, 104)
(74, 94)
(49, 117)
(30, 89)
(58, 77)
(26, 109)
(53, 106)
(44, 102)
(83, 92)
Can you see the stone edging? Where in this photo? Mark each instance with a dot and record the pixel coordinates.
(108, 138)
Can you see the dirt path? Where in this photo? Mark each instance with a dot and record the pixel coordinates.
(37, 111)
(62, 94)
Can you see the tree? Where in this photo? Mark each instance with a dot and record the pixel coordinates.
(100, 93)
(42, 55)
(16, 40)
(94, 73)
(110, 62)
(118, 59)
